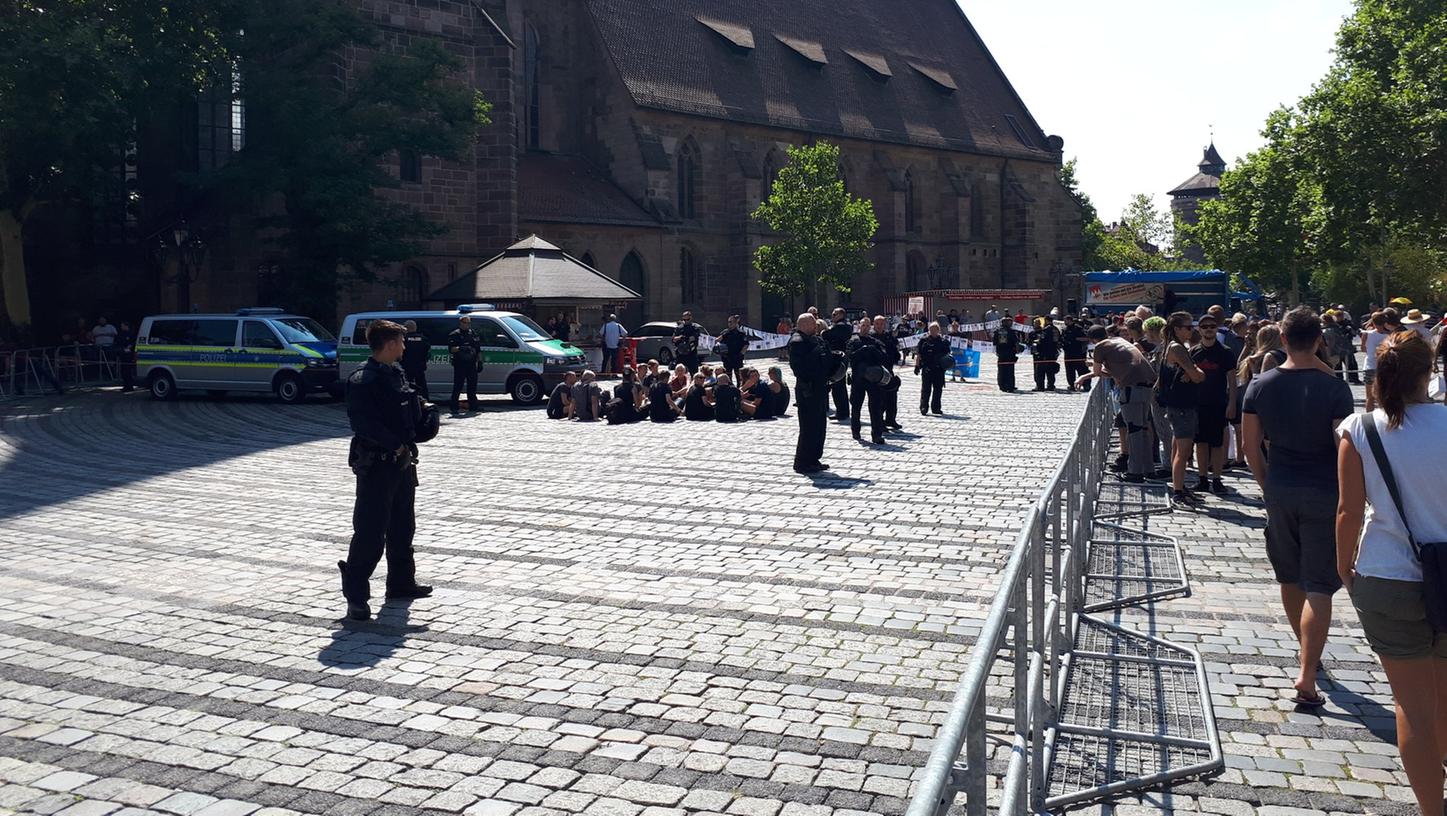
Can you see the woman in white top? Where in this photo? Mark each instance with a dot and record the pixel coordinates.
(1371, 339)
(1375, 558)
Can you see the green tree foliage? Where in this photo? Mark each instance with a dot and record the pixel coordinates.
(1092, 232)
(1355, 175)
(313, 159)
(76, 80)
(824, 232)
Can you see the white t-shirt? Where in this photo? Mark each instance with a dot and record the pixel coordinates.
(1374, 339)
(1416, 451)
(104, 336)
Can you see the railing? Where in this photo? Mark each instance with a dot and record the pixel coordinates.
(1033, 616)
(70, 366)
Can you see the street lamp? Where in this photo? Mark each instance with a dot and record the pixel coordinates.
(190, 249)
(938, 273)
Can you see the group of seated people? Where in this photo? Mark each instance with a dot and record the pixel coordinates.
(712, 394)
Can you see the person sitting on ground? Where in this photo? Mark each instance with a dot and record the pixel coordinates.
(649, 373)
(780, 391)
(709, 380)
(758, 395)
(587, 404)
(728, 403)
(698, 403)
(626, 407)
(1381, 569)
(679, 382)
(662, 407)
(562, 397)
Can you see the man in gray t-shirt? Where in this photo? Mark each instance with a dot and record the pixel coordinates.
(1121, 361)
(587, 399)
(1296, 407)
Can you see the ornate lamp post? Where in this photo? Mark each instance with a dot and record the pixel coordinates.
(190, 250)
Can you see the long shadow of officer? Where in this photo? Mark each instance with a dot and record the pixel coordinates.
(388, 419)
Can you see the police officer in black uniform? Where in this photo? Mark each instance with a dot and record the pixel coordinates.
(1073, 341)
(893, 357)
(809, 359)
(685, 342)
(384, 414)
(837, 337)
(464, 348)
(1007, 352)
(929, 363)
(731, 347)
(866, 351)
(1045, 349)
(414, 359)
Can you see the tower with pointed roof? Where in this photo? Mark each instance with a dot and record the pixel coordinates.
(1188, 195)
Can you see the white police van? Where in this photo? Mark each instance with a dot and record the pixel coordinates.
(255, 349)
(516, 356)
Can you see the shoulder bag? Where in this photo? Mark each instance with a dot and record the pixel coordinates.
(1432, 555)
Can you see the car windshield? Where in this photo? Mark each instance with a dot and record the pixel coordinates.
(302, 330)
(525, 328)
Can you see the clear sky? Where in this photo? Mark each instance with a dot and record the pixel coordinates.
(1135, 86)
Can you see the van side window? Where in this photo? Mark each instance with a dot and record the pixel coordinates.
(258, 335)
(489, 333)
(359, 332)
(436, 329)
(171, 332)
(220, 333)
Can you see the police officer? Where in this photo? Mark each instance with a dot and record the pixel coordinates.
(685, 342)
(893, 357)
(414, 359)
(837, 337)
(809, 360)
(930, 365)
(462, 344)
(1074, 342)
(731, 347)
(383, 412)
(1007, 352)
(1045, 348)
(866, 351)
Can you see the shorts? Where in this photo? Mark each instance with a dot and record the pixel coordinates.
(1301, 537)
(1211, 425)
(1183, 422)
(1369, 376)
(1394, 618)
(1119, 421)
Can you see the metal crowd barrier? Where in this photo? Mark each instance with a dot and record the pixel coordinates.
(1033, 617)
(34, 370)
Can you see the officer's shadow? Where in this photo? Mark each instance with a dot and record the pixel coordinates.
(357, 644)
(829, 480)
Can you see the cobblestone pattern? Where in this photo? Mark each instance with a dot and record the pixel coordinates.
(1280, 761)
(645, 620)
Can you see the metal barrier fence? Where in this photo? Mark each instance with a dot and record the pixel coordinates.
(1033, 616)
(69, 366)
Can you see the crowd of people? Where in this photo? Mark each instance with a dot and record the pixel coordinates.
(654, 394)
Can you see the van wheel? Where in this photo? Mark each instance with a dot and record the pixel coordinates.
(289, 390)
(526, 389)
(163, 386)
(665, 356)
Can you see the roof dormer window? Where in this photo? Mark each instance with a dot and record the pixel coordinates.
(808, 49)
(940, 77)
(874, 63)
(737, 37)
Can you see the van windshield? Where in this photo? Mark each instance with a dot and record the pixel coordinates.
(302, 330)
(526, 329)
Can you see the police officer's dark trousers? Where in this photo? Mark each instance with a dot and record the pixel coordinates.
(840, 392)
(859, 392)
(383, 519)
(813, 400)
(464, 376)
(931, 389)
(1006, 376)
(690, 362)
(734, 366)
(417, 377)
(1074, 371)
(889, 399)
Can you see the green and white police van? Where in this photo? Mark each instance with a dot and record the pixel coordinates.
(255, 349)
(517, 357)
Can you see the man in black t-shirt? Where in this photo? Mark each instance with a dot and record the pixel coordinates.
(731, 347)
(1007, 351)
(414, 358)
(837, 337)
(931, 364)
(889, 393)
(1215, 404)
(685, 342)
(1074, 343)
(464, 347)
(562, 397)
(727, 401)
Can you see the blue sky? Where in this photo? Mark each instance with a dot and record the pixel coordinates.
(1135, 86)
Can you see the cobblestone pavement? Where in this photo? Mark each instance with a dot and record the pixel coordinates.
(640, 620)
(1280, 761)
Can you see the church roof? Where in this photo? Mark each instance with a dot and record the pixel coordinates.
(567, 189)
(534, 269)
(905, 71)
(1199, 183)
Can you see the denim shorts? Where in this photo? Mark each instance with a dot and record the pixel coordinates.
(1183, 422)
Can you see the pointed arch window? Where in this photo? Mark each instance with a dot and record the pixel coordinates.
(910, 223)
(687, 180)
(689, 276)
(532, 86)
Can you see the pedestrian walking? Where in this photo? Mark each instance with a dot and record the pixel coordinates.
(809, 360)
(1296, 407)
(464, 348)
(384, 414)
(1215, 404)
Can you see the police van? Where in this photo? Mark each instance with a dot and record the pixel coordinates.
(516, 357)
(255, 349)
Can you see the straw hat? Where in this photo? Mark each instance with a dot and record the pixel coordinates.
(1414, 316)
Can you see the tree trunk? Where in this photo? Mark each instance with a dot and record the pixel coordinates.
(1295, 288)
(12, 270)
(1371, 282)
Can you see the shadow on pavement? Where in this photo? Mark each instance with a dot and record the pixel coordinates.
(356, 644)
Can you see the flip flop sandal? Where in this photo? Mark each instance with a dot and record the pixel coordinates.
(1309, 702)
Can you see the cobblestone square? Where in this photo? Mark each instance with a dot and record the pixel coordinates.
(628, 620)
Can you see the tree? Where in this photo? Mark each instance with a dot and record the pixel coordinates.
(824, 232)
(1092, 232)
(77, 77)
(316, 146)
(1147, 224)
